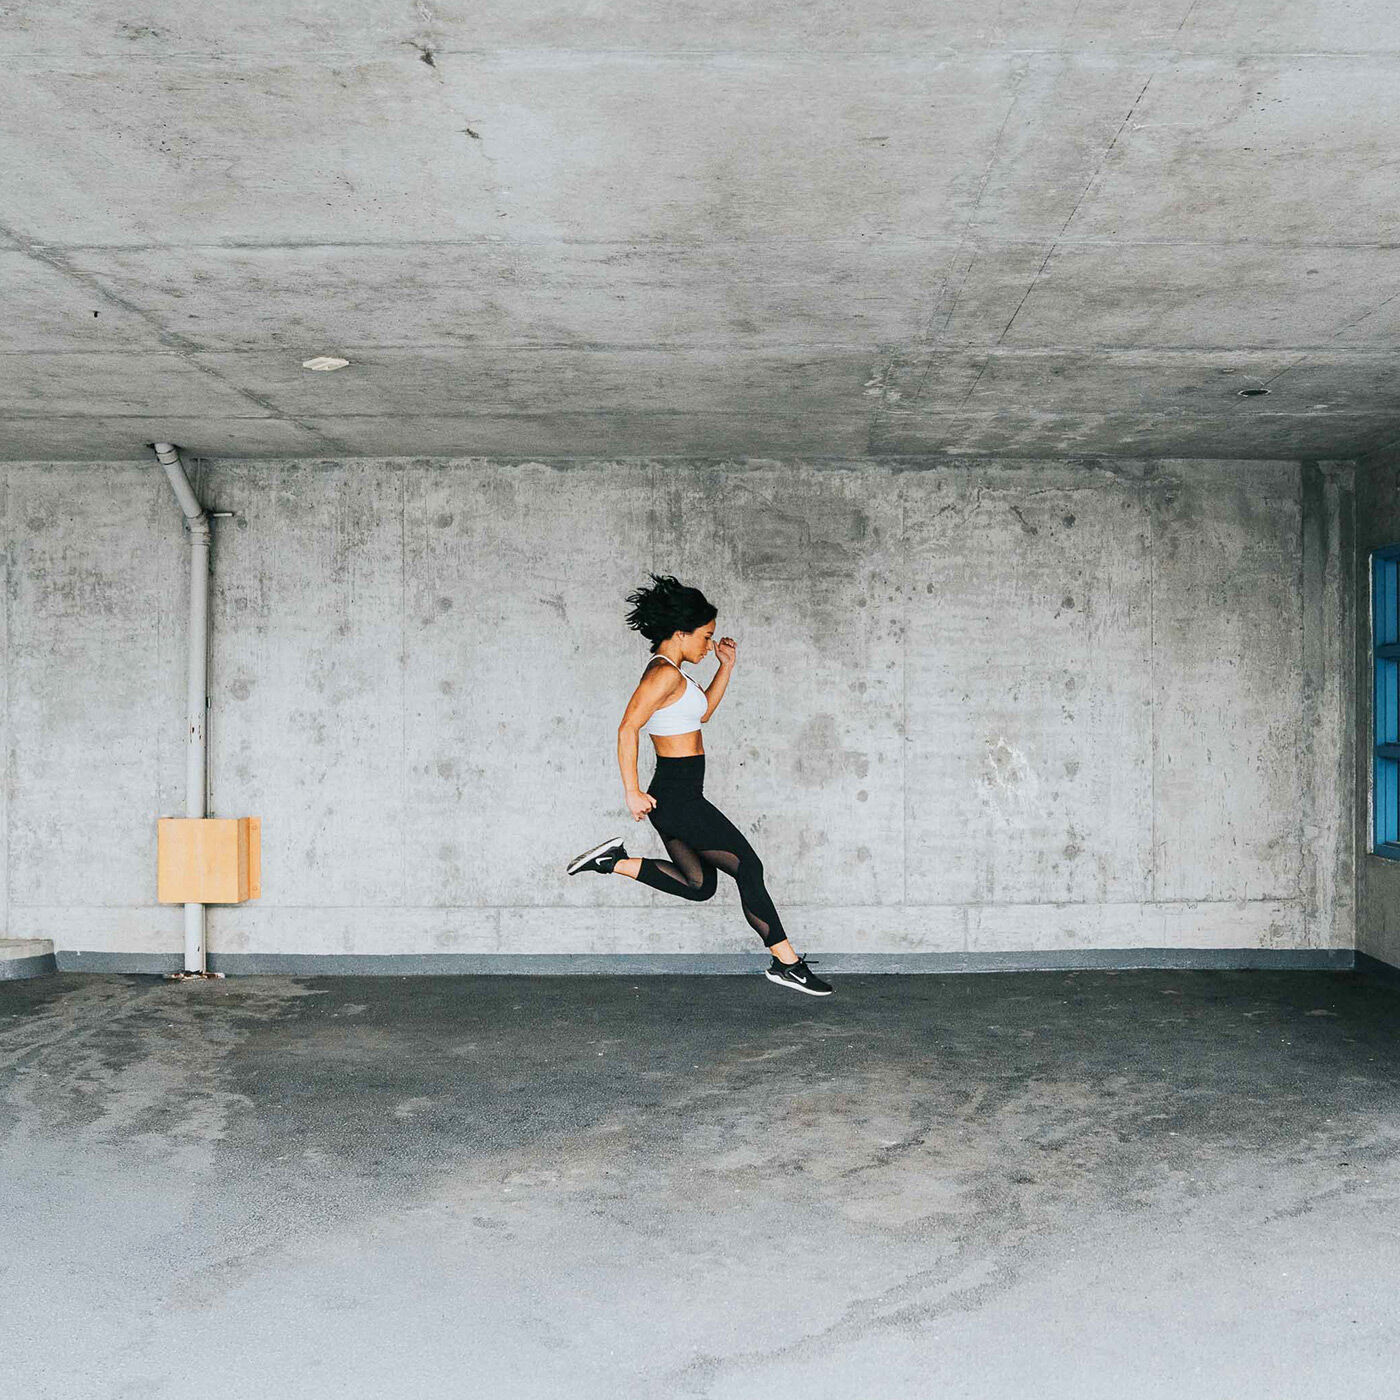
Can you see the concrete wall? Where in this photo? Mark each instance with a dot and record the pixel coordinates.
(1377, 878)
(980, 705)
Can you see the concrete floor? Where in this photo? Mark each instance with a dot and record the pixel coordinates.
(1018, 1185)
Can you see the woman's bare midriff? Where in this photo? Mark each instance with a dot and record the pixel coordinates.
(678, 745)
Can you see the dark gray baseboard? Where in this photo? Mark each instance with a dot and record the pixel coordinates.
(713, 964)
(41, 965)
(72, 961)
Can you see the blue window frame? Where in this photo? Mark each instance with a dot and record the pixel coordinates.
(1385, 643)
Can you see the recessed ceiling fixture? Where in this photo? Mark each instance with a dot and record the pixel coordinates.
(324, 362)
(1253, 393)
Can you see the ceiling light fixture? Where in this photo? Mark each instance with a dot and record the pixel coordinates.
(324, 362)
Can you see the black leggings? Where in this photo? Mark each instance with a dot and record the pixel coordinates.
(702, 840)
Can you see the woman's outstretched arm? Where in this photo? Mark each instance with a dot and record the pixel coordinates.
(726, 649)
(628, 741)
(655, 686)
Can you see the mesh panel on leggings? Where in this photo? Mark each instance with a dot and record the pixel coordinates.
(701, 840)
(691, 874)
(693, 879)
(732, 865)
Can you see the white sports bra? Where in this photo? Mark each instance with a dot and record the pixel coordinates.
(680, 716)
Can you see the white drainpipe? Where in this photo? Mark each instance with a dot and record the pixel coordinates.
(197, 689)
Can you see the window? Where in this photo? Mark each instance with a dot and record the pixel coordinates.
(1385, 642)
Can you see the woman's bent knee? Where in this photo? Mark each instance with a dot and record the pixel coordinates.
(703, 888)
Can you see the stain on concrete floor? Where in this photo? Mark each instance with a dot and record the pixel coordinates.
(1041, 1184)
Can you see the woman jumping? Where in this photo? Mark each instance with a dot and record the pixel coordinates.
(679, 623)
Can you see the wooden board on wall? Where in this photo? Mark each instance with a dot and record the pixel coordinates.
(208, 860)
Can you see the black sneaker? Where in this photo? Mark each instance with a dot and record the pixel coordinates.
(600, 858)
(799, 977)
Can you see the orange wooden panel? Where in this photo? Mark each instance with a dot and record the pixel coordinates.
(252, 827)
(208, 860)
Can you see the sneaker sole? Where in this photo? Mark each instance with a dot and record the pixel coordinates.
(796, 986)
(579, 862)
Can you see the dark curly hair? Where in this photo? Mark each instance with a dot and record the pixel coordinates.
(668, 606)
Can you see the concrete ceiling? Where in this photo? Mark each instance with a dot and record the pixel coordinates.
(1032, 227)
